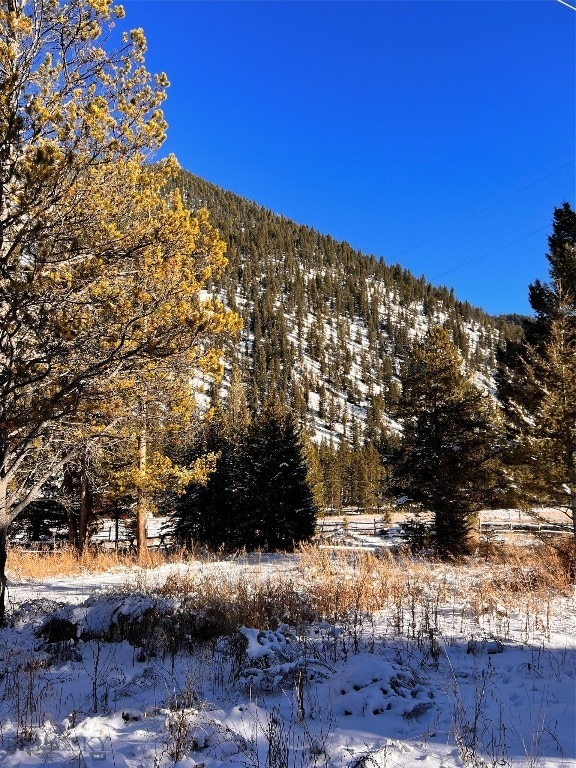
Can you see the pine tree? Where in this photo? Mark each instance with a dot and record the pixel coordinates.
(548, 440)
(521, 379)
(371, 479)
(101, 268)
(214, 513)
(235, 416)
(315, 475)
(281, 503)
(446, 461)
(333, 476)
(259, 496)
(548, 299)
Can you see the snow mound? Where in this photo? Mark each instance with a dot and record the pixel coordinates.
(371, 687)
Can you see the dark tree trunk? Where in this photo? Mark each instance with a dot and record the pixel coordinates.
(85, 513)
(5, 521)
(3, 556)
(68, 489)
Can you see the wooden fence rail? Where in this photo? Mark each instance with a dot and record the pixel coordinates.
(325, 527)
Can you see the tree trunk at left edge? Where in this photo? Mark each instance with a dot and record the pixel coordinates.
(142, 495)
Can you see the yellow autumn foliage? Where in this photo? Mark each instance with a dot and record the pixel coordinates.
(103, 318)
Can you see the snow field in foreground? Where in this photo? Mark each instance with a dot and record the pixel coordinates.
(440, 680)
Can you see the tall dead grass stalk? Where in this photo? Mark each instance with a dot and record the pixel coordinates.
(68, 562)
(342, 585)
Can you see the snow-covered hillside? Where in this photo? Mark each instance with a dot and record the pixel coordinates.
(326, 326)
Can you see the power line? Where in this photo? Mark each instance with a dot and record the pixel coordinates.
(486, 208)
(489, 253)
(567, 5)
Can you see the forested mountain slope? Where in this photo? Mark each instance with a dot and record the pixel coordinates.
(326, 326)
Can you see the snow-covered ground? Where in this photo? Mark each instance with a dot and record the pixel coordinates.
(466, 688)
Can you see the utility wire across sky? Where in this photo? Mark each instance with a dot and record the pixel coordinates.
(489, 253)
(482, 210)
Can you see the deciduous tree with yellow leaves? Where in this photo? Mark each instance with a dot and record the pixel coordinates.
(101, 270)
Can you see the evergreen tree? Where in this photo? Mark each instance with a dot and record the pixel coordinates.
(315, 474)
(446, 461)
(282, 508)
(235, 416)
(548, 299)
(548, 440)
(208, 514)
(259, 496)
(101, 268)
(521, 379)
(333, 476)
(371, 479)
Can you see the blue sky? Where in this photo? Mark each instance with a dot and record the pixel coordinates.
(430, 133)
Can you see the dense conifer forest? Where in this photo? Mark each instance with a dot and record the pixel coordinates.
(330, 333)
(327, 326)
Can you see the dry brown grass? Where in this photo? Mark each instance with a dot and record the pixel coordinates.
(67, 562)
(529, 569)
(239, 600)
(415, 594)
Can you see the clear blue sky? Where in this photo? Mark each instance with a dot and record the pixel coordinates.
(428, 133)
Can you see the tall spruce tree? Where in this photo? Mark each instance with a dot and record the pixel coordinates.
(528, 371)
(282, 508)
(549, 436)
(259, 496)
(215, 512)
(446, 461)
(548, 300)
(518, 391)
